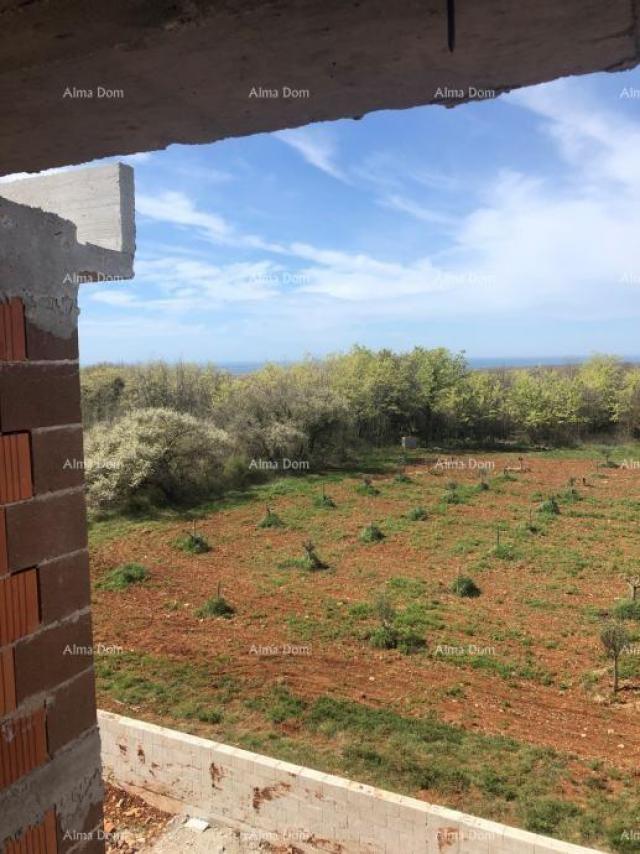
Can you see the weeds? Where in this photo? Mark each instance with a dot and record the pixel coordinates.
(123, 577)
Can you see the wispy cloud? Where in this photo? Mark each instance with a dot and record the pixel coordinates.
(318, 147)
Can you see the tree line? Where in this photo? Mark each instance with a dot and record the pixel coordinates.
(374, 397)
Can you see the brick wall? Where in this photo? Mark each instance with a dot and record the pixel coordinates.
(47, 698)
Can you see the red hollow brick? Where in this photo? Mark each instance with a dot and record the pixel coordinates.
(58, 459)
(19, 611)
(38, 396)
(45, 528)
(71, 711)
(7, 683)
(64, 586)
(43, 346)
(4, 558)
(38, 839)
(12, 331)
(15, 468)
(52, 656)
(23, 746)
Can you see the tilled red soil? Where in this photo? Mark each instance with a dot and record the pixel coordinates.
(562, 640)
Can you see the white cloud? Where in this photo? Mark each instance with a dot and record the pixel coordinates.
(317, 145)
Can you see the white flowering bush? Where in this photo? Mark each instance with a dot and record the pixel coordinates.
(151, 457)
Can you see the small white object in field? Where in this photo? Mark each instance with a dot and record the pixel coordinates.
(197, 824)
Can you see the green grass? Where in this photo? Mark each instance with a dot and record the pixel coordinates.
(371, 534)
(123, 577)
(270, 520)
(465, 587)
(498, 777)
(628, 609)
(217, 606)
(417, 514)
(193, 543)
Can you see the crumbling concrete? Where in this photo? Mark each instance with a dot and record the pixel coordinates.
(81, 79)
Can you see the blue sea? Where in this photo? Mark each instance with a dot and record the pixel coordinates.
(478, 363)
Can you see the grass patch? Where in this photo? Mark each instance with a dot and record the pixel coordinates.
(217, 606)
(270, 520)
(629, 609)
(466, 587)
(366, 487)
(550, 507)
(371, 534)
(417, 514)
(193, 543)
(123, 577)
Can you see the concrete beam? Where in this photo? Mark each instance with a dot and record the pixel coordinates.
(81, 79)
(59, 231)
(99, 201)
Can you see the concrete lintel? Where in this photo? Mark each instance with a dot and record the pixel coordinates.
(42, 262)
(98, 200)
(81, 79)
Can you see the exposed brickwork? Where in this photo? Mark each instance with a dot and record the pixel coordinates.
(15, 468)
(58, 459)
(4, 557)
(23, 746)
(52, 656)
(71, 711)
(19, 609)
(7, 683)
(64, 586)
(12, 331)
(43, 346)
(42, 529)
(38, 839)
(38, 396)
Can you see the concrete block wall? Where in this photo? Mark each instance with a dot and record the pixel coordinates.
(271, 801)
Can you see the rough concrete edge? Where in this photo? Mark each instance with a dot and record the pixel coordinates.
(47, 281)
(308, 774)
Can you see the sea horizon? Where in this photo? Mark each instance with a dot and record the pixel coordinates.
(474, 362)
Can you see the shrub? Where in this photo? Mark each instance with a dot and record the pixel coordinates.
(153, 457)
(402, 478)
(367, 487)
(417, 514)
(270, 520)
(324, 501)
(465, 586)
(123, 576)
(311, 559)
(384, 637)
(217, 606)
(550, 507)
(505, 551)
(193, 543)
(371, 534)
(628, 609)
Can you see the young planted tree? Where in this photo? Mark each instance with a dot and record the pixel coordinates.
(634, 586)
(270, 519)
(614, 638)
(324, 500)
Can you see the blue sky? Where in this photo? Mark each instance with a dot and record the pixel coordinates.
(505, 228)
